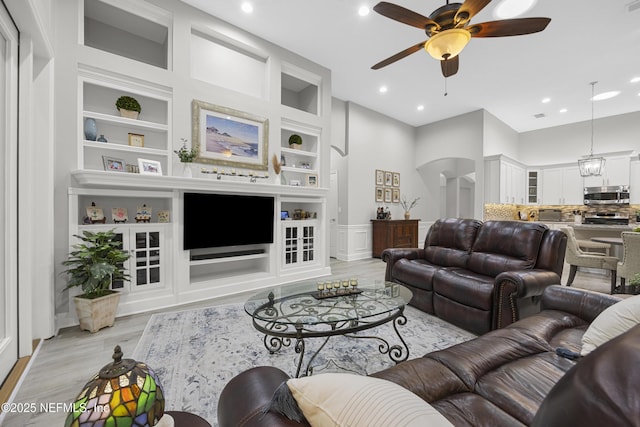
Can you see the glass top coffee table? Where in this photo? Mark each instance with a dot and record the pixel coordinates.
(293, 313)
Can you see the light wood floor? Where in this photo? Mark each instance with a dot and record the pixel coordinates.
(64, 363)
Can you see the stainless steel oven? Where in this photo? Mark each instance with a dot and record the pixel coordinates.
(612, 195)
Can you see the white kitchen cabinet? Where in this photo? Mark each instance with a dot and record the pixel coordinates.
(616, 172)
(505, 181)
(561, 186)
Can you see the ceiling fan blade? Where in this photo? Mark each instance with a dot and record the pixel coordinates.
(403, 15)
(450, 66)
(508, 27)
(390, 60)
(468, 9)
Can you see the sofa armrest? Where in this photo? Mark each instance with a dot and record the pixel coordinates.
(243, 399)
(585, 304)
(393, 255)
(511, 286)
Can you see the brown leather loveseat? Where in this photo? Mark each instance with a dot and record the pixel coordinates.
(509, 377)
(479, 276)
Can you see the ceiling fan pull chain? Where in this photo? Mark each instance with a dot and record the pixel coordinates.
(445, 87)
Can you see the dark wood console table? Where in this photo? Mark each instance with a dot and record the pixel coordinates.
(391, 233)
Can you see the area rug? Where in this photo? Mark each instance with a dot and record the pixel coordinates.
(196, 352)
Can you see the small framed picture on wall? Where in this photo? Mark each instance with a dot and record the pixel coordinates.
(396, 179)
(379, 194)
(387, 195)
(395, 195)
(379, 177)
(388, 179)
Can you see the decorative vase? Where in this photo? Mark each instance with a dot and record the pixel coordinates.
(101, 138)
(407, 215)
(186, 170)
(90, 129)
(128, 114)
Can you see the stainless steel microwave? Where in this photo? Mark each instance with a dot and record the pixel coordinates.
(611, 195)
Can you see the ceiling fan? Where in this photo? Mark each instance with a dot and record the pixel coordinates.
(448, 30)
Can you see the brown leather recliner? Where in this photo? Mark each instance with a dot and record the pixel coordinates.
(508, 377)
(479, 276)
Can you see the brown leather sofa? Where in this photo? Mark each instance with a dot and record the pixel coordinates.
(501, 378)
(479, 276)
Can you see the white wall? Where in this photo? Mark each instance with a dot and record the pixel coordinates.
(565, 144)
(499, 138)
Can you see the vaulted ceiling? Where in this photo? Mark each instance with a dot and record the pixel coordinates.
(587, 40)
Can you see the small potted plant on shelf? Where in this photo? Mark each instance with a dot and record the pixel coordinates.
(129, 107)
(93, 264)
(407, 206)
(295, 141)
(186, 156)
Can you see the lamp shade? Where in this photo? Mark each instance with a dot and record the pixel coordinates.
(448, 43)
(591, 166)
(123, 393)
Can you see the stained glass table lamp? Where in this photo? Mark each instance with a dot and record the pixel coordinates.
(123, 393)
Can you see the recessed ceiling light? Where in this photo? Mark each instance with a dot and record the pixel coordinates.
(635, 80)
(606, 95)
(420, 107)
(363, 11)
(563, 110)
(512, 8)
(383, 89)
(546, 100)
(247, 7)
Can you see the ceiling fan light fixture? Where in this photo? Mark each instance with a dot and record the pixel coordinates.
(448, 43)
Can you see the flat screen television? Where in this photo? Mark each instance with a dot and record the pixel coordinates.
(216, 220)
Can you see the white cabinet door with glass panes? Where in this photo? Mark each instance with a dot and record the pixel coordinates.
(299, 242)
(146, 266)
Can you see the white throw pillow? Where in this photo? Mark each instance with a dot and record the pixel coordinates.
(348, 400)
(614, 321)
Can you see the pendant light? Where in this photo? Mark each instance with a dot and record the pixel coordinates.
(591, 166)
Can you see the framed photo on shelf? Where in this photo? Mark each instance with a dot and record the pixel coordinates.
(379, 194)
(119, 215)
(225, 136)
(136, 140)
(396, 179)
(395, 195)
(388, 179)
(379, 177)
(164, 216)
(114, 164)
(312, 180)
(149, 167)
(387, 195)
(95, 215)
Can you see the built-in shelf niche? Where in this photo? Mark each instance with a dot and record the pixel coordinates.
(300, 90)
(226, 63)
(156, 203)
(120, 32)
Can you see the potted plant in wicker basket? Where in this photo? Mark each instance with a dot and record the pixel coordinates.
(129, 107)
(92, 265)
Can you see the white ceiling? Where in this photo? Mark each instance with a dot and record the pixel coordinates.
(587, 40)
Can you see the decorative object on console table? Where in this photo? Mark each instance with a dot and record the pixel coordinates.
(119, 215)
(143, 214)
(90, 129)
(229, 137)
(129, 107)
(149, 167)
(408, 205)
(124, 392)
(101, 138)
(295, 142)
(394, 234)
(95, 214)
(92, 265)
(113, 164)
(136, 140)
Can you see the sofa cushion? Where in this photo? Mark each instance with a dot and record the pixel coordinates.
(450, 240)
(417, 273)
(600, 390)
(352, 400)
(464, 286)
(505, 246)
(612, 322)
